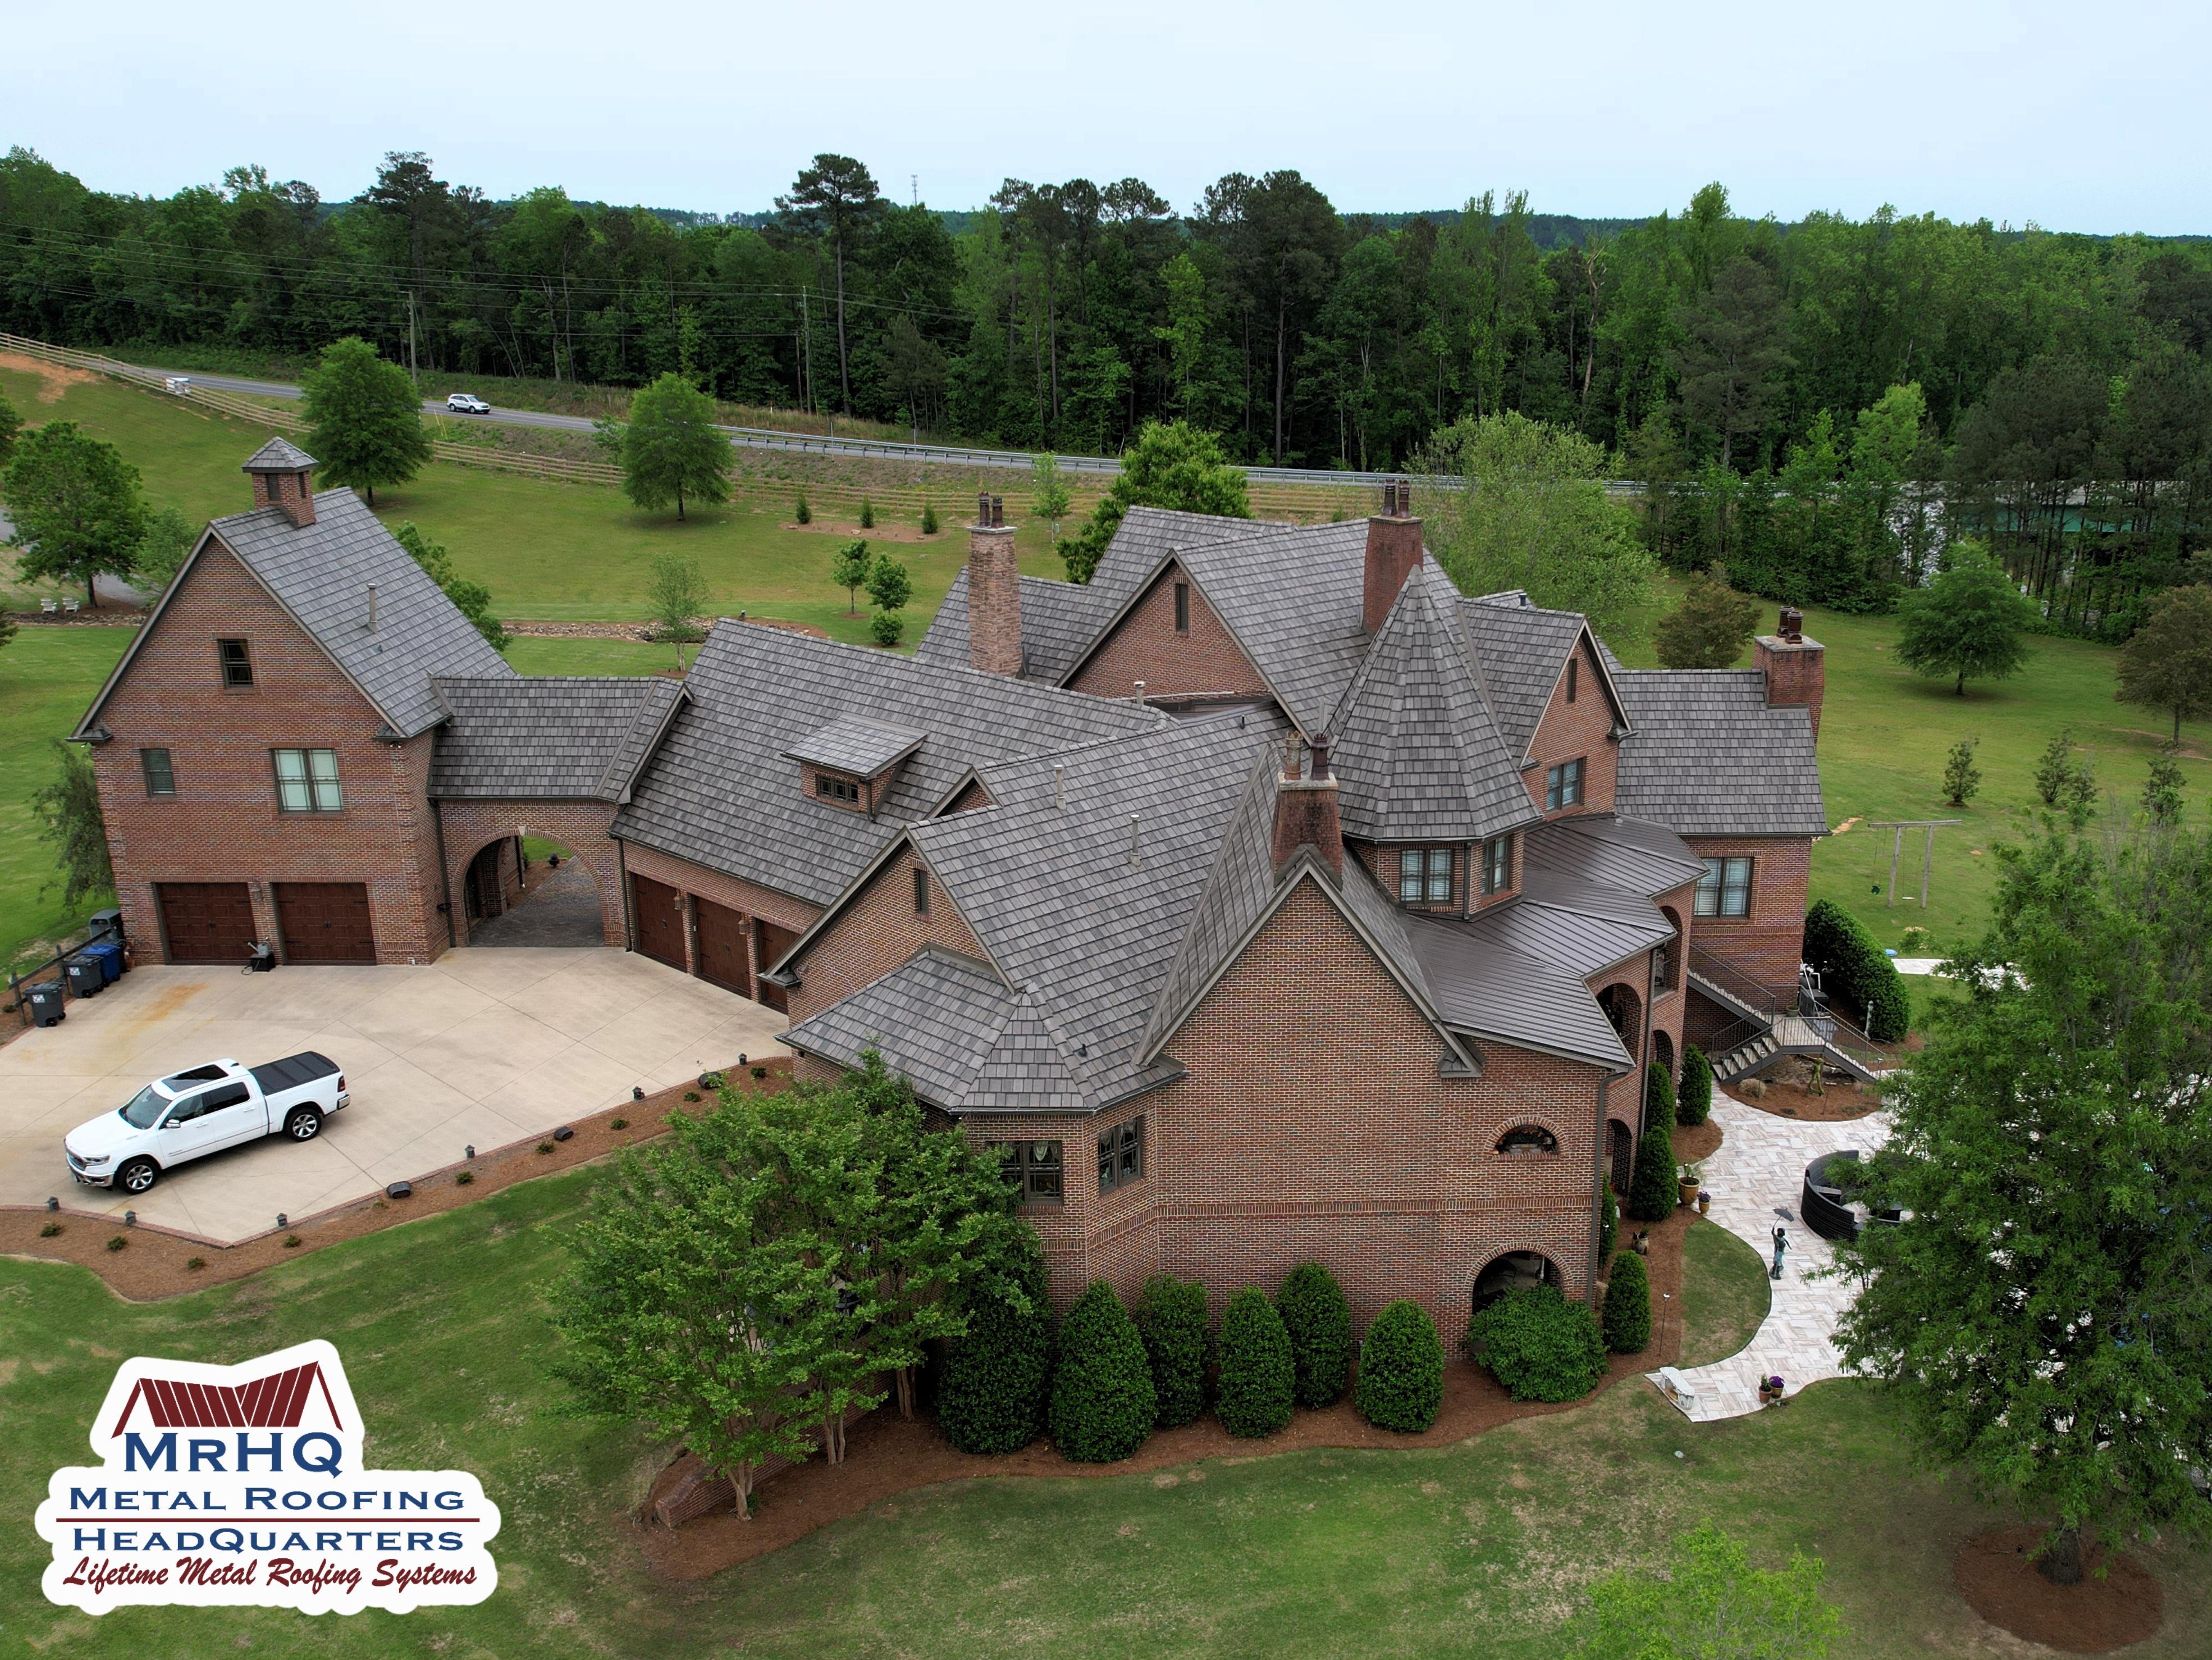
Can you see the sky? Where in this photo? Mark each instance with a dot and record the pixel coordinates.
(2074, 117)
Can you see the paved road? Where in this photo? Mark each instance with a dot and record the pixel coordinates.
(769, 439)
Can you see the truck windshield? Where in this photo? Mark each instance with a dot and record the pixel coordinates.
(146, 1108)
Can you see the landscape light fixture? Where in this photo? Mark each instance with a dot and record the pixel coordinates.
(52, 1203)
(470, 1151)
(637, 1093)
(131, 1218)
(563, 1134)
(281, 1222)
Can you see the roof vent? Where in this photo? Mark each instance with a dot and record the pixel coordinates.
(372, 608)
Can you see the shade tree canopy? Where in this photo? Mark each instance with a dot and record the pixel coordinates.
(365, 418)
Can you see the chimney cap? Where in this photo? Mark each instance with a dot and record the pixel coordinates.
(278, 456)
(1790, 625)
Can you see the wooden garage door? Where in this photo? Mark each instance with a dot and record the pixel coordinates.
(659, 910)
(206, 921)
(722, 946)
(326, 922)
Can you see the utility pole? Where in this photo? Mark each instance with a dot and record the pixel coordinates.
(914, 179)
(806, 352)
(412, 373)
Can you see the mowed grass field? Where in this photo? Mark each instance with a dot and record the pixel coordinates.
(1482, 1549)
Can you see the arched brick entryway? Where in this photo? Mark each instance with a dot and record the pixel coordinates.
(479, 833)
(1511, 1271)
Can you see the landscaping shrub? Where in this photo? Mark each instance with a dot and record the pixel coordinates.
(886, 627)
(1540, 1345)
(1658, 1096)
(1103, 1404)
(119, 1243)
(990, 1393)
(1693, 1104)
(463, 1179)
(618, 1123)
(1253, 1396)
(1171, 1319)
(1402, 1370)
(50, 1230)
(1854, 970)
(928, 519)
(194, 1264)
(868, 514)
(1608, 1219)
(1319, 1321)
(1652, 1190)
(802, 513)
(1627, 1322)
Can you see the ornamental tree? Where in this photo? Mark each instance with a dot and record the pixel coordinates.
(1401, 1369)
(2042, 1311)
(1652, 1188)
(888, 585)
(1254, 1396)
(1658, 1096)
(1318, 1319)
(1693, 1103)
(991, 1395)
(1171, 1319)
(75, 501)
(1103, 1404)
(1711, 626)
(848, 568)
(1627, 1323)
(365, 418)
(1966, 622)
(672, 451)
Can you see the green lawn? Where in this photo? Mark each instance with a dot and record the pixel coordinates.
(1478, 1549)
(1725, 1293)
(47, 677)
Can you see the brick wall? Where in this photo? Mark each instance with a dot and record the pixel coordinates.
(877, 930)
(1796, 673)
(1582, 728)
(1768, 944)
(223, 824)
(581, 826)
(1204, 662)
(872, 790)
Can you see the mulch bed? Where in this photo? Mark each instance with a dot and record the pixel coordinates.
(886, 1455)
(1996, 1574)
(1786, 1096)
(155, 1263)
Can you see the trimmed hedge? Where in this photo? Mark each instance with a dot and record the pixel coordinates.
(1853, 969)
(1103, 1404)
(1626, 1326)
(1319, 1321)
(991, 1395)
(1652, 1190)
(1694, 1103)
(1540, 1345)
(1608, 1219)
(1658, 1096)
(1178, 1343)
(1402, 1370)
(1252, 1395)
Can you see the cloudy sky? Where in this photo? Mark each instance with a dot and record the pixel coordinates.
(2078, 118)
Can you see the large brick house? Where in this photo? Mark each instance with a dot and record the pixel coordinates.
(1264, 899)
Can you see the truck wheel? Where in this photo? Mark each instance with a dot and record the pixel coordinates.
(304, 1125)
(137, 1176)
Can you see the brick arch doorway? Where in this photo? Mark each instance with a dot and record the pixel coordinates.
(1620, 1163)
(1515, 1270)
(1625, 1009)
(1662, 1051)
(520, 889)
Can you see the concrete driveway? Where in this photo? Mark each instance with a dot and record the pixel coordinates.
(484, 1046)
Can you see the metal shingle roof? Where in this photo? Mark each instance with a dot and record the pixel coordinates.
(1521, 650)
(278, 456)
(1058, 621)
(1491, 990)
(719, 793)
(1709, 758)
(549, 737)
(854, 743)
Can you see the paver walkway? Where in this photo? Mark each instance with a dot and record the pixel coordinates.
(1756, 1180)
(562, 909)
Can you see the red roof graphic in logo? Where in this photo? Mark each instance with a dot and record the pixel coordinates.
(267, 1403)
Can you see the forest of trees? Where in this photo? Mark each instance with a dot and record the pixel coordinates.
(1821, 404)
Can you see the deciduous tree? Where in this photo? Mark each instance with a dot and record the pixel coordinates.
(1049, 498)
(888, 585)
(67, 808)
(1711, 626)
(1966, 623)
(473, 599)
(365, 418)
(848, 568)
(1172, 464)
(75, 501)
(2166, 664)
(1731, 356)
(1711, 1602)
(671, 448)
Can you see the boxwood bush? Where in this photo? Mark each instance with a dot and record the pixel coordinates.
(1652, 1190)
(1319, 1321)
(1693, 1104)
(1401, 1369)
(1855, 972)
(1179, 1343)
(991, 1393)
(1103, 1404)
(1626, 1326)
(1658, 1096)
(1540, 1345)
(1253, 1394)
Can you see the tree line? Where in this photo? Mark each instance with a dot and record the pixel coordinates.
(1821, 404)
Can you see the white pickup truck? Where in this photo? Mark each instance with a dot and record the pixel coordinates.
(204, 1110)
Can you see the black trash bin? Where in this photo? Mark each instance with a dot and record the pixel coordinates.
(45, 1001)
(87, 978)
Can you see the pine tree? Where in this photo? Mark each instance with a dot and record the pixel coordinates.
(2162, 796)
(2054, 768)
(1962, 779)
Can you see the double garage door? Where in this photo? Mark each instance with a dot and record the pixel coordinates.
(320, 922)
(721, 936)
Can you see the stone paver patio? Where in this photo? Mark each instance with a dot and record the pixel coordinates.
(1756, 1177)
(483, 1047)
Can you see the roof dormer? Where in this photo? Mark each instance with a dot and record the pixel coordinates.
(853, 762)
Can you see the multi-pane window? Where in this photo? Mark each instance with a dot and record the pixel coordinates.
(1425, 876)
(1563, 785)
(1498, 864)
(1182, 607)
(920, 891)
(1032, 1169)
(308, 781)
(1121, 1155)
(160, 773)
(237, 663)
(1725, 888)
(833, 787)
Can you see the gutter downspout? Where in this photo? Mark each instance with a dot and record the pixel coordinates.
(1597, 1202)
(445, 872)
(622, 870)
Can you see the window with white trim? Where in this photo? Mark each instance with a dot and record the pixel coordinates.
(1725, 888)
(308, 781)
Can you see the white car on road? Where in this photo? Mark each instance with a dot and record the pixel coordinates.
(466, 403)
(203, 1110)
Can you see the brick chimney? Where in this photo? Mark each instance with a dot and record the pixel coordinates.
(283, 478)
(1394, 548)
(1305, 807)
(994, 591)
(1795, 668)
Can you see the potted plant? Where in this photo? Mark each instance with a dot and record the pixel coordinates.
(1704, 1202)
(1689, 1182)
(1770, 1391)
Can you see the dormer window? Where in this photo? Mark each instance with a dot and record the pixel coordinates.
(836, 786)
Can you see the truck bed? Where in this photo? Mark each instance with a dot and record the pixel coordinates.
(306, 1067)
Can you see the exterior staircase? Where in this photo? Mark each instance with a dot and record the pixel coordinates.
(1766, 1029)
